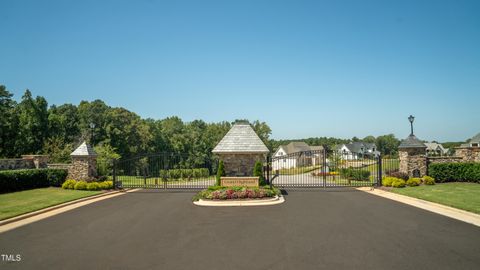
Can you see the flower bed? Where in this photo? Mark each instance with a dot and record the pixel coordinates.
(236, 193)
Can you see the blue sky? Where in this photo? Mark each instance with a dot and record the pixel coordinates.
(307, 68)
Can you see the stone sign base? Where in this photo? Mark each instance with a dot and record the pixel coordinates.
(239, 181)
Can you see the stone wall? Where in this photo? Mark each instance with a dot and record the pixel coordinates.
(26, 162)
(446, 159)
(412, 159)
(16, 164)
(468, 154)
(240, 164)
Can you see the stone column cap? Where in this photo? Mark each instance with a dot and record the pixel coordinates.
(412, 142)
(84, 150)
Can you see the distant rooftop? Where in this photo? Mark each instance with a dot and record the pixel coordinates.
(84, 150)
(241, 138)
(295, 147)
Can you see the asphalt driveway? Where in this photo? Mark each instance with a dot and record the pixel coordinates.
(335, 229)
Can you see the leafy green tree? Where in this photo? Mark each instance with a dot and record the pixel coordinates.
(63, 121)
(8, 123)
(387, 144)
(126, 132)
(106, 154)
(33, 124)
(58, 150)
(220, 173)
(369, 139)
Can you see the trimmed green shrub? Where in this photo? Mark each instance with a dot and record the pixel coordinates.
(69, 184)
(81, 185)
(387, 181)
(258, 171)
(16, 180)
(93, 186)
(427, 180)
(355, 174)
(106, 184)
(398, 183)
(455, 172)
(413, 182)
(220, 173)
(56, 176)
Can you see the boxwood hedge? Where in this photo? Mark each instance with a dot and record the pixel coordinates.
(16, 180)
(455, 172)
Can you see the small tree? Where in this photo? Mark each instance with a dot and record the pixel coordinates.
(220, 172)
(258, 171)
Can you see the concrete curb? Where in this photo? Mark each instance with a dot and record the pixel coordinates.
(440, 209)
(273, 201)
(14, 222)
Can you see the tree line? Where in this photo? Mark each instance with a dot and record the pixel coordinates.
(31, 126)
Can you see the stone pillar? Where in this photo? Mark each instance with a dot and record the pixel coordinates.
(413, 157)
(240, 164)
(84, 163)
(413, 161)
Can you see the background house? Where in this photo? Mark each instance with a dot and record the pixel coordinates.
(435, 149)
(473, 142)
(357, 150)
(296, 154)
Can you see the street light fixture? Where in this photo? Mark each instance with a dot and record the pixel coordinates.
(411, 118)
(92, 127)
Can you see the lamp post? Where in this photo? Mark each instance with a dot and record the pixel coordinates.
(411, 118)
(92, 127)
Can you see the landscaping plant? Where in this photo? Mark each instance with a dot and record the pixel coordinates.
(258, 171)
(413, 182)
(220, 173)
(427, 180)
(455, 172)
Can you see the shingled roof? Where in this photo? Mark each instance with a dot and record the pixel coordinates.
(84, 150)
(412, 142)
(241, 138)
(295, 147)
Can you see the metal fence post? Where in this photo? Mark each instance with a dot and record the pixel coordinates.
(268, 169)
(379, 179)
(114, 174)
(324, 167)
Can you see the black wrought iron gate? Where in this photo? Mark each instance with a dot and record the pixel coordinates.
(324, 168)
(164, 171)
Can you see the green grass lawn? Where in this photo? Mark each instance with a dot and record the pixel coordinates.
(17, 203)
(465, 196)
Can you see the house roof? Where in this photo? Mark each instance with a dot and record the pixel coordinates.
(241, 138)
(356, 147)
(434, 146)
(474, 139)
(84, 150)
(295, 147)
(412, 142)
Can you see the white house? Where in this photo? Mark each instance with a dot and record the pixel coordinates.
(473, 142)
(357, 150)
(435, 149)
(296, 154)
